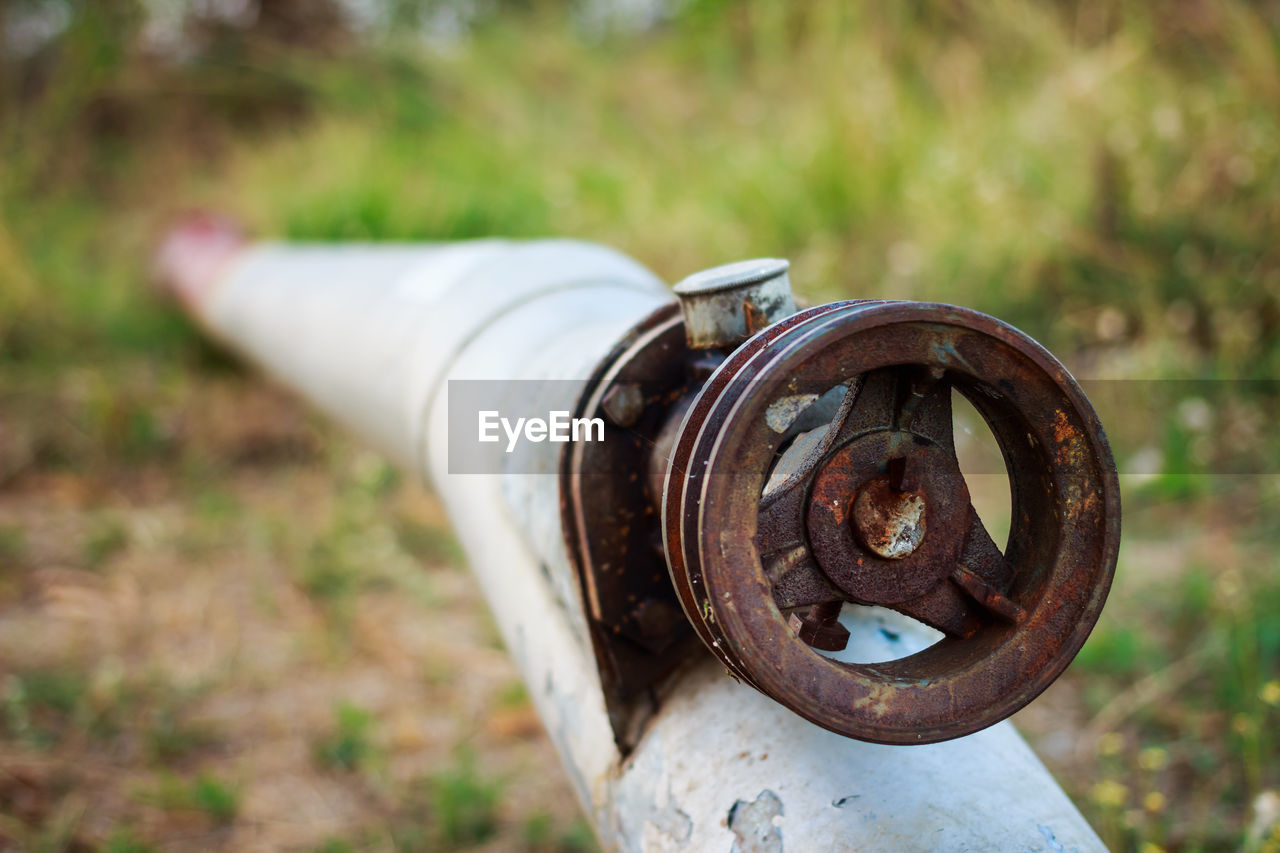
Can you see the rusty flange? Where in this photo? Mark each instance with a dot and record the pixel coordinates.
(761, 519)
(609, 505)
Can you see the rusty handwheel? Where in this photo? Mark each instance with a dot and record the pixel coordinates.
(816, 469)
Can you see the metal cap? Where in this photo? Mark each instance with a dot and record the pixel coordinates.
(725, 305)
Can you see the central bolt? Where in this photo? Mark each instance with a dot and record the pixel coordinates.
(889, 522)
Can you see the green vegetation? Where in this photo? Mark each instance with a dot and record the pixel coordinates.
(216, 799)
(1102, 175)
(453, 808)
(430, 544)
(48, 706)
(12, 543)
(170, 739)
(107, 539)
(1012, 157)
(1169, 698)
(463, 804)
(39, 704)
(540, 835)
(327, 576)
(123, 842)
(514, 695)
(335, 845)
(350, 746)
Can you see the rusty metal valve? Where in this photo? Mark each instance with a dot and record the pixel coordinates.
(812, 467)
(869, 507)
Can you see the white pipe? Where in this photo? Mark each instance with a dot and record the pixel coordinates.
(373, 334)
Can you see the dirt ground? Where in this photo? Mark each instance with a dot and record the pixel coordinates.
(225, 626)
(215, 625)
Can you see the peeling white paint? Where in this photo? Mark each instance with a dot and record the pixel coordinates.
(756, 825)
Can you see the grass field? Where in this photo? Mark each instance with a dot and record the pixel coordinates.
(223, 625)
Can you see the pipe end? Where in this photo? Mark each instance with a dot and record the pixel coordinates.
(194, 253)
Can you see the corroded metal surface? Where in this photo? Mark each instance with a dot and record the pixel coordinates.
(821, 627)
(852, 477)
(876, 512)
(682, 480)
(890, 522)
(725, 305)
(609, 514)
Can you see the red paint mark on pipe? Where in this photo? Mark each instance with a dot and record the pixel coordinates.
(194, 254)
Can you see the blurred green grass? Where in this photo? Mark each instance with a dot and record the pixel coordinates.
(999, 155)
(1104, 176)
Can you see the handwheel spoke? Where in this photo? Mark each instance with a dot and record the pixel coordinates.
(905, 398)
(797, 580)
(985, 575)
(780, 524)
(946, 608)
(986, 595)
(924, 406)
(784, 551)
(870, 404)
(977, 592)
(983, 558)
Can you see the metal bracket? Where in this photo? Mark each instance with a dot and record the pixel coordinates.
(611, 492)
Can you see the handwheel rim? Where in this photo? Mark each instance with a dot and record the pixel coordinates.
(682, 479)
(1066, 474)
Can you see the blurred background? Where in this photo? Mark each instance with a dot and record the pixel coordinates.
(223, 625)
